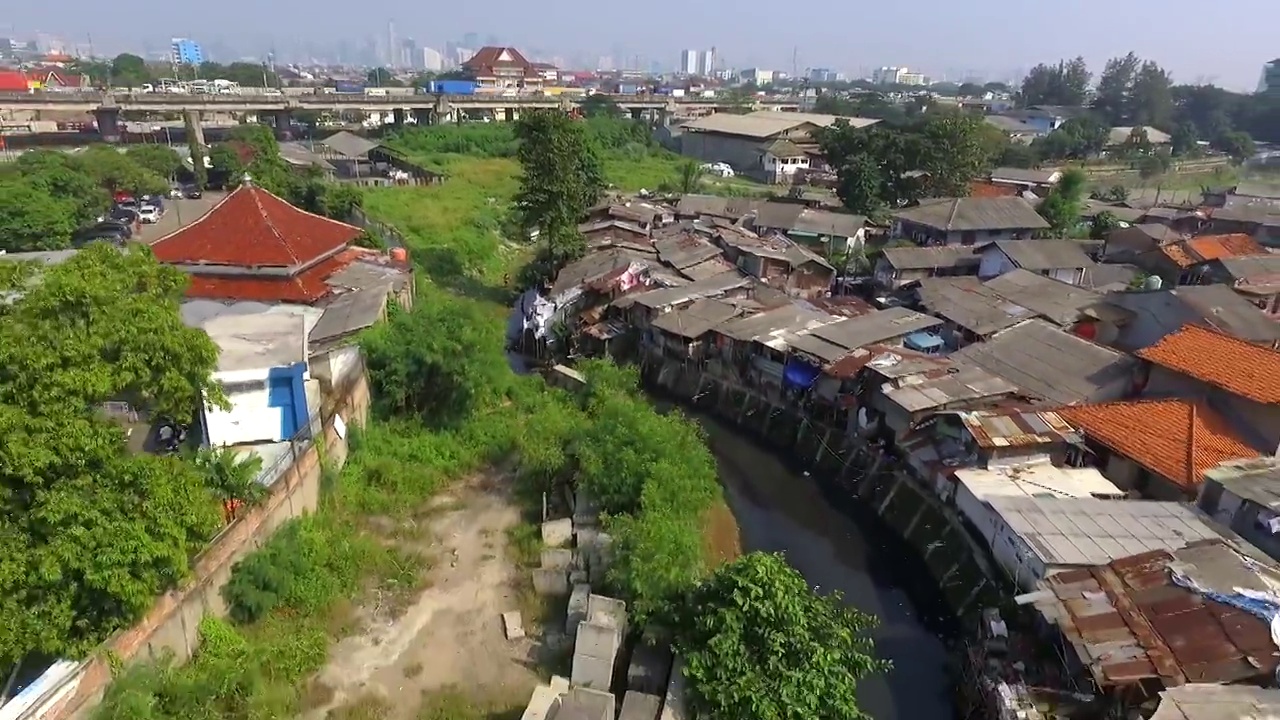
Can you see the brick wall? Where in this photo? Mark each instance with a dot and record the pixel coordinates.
(172, 623)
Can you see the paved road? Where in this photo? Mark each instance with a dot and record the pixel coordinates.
(178, 214)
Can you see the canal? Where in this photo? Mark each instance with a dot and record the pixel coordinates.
(841, 546)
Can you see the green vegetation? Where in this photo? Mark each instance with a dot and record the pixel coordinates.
(758, 643)
(1061, 208)
(93, 532)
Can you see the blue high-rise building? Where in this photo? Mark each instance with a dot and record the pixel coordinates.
(186, 52)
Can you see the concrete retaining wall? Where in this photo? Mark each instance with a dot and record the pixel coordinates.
(172, 623)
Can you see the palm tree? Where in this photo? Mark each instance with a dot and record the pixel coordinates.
(231, 476)
(690, 177)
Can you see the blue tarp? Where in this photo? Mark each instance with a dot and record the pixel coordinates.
(799, 373)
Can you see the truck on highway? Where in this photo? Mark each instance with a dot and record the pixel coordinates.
(343, 87)
(450, 87)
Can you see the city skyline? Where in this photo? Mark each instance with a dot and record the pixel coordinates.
(966, 54)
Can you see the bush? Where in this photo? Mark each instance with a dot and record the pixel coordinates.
(300, 567)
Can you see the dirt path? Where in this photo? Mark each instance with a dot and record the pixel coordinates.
(452, 634)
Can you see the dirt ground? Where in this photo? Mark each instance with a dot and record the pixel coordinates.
(451, 635)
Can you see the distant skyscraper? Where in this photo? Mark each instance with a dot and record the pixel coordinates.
(690, 62)
(432, 60)
(392, 47)
(184, 51)
(707, 67)
(1270, 82)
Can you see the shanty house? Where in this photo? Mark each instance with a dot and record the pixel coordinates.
(1255, 278)
(1062, 260)
(968, 221)
(822, 230)
(898, 266)
(778, 262)
(1244, 495)
(1183, 262)
(744, 141)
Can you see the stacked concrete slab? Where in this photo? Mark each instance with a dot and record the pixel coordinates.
(673, 701)
(640, 706)
(598, 641)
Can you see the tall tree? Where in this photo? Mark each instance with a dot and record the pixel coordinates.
(33, 219)
(159, 159)
(1115, 89)
(130, 71)
(65, 176)
(1061, 208)
(758, 643)
(562, 177)
(1066, 83)
(1151, 98)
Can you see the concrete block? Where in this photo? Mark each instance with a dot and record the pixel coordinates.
(578, 600)
(586, 511)
(557, 533)
(582, 703)
(594, 652)
(550, 582)
(512, 625)
(611, 612)
(560, 683)
(578, 577)
(543, 704)
(557, 559)
(640, 706)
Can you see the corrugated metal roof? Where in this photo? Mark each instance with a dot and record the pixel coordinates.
(1059, 302)
(349, 313)
(966, 385)
(1044, 254)
(969, 304)
(696, 319)
(1000, 213)
(927, 258)
(685, 250)
(1204, 701)
(875, 327)
(1129, 622)
(1016, 429)
(1063, 531)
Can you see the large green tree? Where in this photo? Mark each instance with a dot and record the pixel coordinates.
(562, 177)
(65, 177)
(31, 218)
(161, 160)
(1061, 208)
(1066, 83)
(92, 531)
(114, 170)
(1114, 100)
(128, 70)
(757, 642)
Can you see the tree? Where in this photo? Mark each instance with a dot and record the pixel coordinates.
(1066, 83)
(94, 532)
(231, 476)
(105, 326)
(65, 177)
(1236, 144)
(862, 188)
(161, 160)
(758, 643)
(562, 177)
(690, 178)
(599, 105)
(1183, 140)
(33, 219)
(1151, 98)
(381, 77)
(970, 90)
(130, 71)
(1076, 139)
(1061, 208)
(1102, 225)
(1115, 90)
(1153, 165)
(113, 170)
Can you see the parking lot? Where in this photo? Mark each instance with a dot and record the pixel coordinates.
(178, 213)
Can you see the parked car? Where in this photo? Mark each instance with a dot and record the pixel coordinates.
(718, 169)
(113, 235)
(125, 227)
(123, 214)
(149, 214)
(154, 200)
(192, 192)
(121, 196)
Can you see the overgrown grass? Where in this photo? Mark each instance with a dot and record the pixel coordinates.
(260, 668)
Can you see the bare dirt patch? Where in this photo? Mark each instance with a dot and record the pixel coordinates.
(721, 536)
(450, 635)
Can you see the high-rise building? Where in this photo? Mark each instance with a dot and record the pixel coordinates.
(432, 60)
(1270, 81)
(707, 66)
(183, 51)
(690, 62)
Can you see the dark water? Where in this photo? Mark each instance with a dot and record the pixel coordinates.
(780, 510)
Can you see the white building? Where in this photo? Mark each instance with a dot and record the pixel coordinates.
(690, 62)
(707, 67)
(898, 76)
(432, 60)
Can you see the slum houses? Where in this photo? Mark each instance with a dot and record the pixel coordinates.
(1106, 442)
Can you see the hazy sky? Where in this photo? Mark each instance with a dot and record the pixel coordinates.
(1226, 42)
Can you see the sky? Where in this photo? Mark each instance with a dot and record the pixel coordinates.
(1225, 43)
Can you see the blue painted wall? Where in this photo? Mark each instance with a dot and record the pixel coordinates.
(285, 390)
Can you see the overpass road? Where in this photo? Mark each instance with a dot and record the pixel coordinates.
(94, 102)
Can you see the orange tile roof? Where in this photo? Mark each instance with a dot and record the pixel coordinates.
(980, 188)
(1177, 252)
(253, 228)
(1175, 438)
(305, 288)
(1224, 361)
(1216, 247)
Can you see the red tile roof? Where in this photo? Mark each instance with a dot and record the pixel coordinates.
(13, 81)
(1212, 247)
(981, 188)
(1224, 361)
(487, 59)
(1175, 438)
(305, 288)
(253, 228)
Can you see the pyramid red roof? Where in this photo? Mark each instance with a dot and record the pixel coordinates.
(253, 228)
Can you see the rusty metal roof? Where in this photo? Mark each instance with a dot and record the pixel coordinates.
(1129, 622)
(1018, 429)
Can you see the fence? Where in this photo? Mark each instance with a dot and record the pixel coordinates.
(390, 236)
